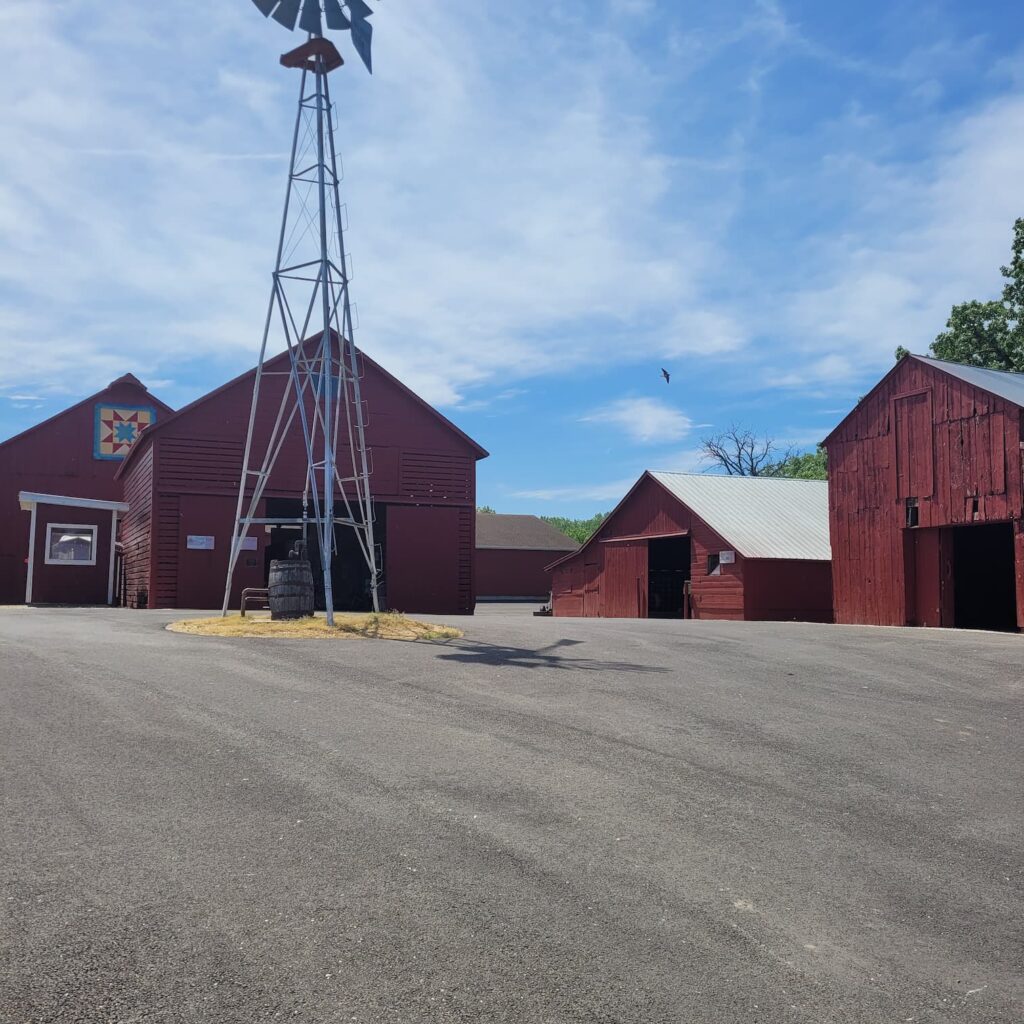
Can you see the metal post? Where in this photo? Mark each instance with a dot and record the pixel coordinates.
(326, 352)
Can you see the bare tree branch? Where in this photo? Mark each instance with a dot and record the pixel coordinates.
(741, 452)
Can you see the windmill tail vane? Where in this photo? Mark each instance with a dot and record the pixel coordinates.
(340, 15)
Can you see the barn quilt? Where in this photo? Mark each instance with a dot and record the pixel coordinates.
(117, 427)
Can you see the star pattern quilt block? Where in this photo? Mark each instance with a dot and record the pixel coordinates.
(118, 427)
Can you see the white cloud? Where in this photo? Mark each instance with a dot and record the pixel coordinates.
(613, 491)
(643, 419)
(507, 204)
(929, 236)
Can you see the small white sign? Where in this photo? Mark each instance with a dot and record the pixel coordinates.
(197, 543)
(726, 557)
(249, 544)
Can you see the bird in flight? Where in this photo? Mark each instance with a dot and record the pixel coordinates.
(665, 374)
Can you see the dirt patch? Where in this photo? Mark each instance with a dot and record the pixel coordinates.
(347, 626)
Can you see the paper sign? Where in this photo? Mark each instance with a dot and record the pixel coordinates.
(249, 544)
(197, 543)
(726, 557)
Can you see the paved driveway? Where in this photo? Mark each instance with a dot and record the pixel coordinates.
(550, 820)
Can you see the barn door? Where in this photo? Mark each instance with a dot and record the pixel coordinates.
(912, 427)
(592, 589)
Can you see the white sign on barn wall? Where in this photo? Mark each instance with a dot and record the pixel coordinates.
(249, 544)
(197, 543)
(726, 557)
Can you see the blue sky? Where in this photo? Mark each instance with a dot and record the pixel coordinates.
(548, 202)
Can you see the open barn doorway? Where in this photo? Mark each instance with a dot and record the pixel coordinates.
(668, 571)
(984, 588)
(350, 577)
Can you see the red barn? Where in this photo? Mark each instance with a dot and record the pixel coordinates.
(57, 481)
(513, 553)
(925, 499)
(181, 485)
(683, 545)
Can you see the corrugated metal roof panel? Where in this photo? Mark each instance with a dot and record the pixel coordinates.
(762, 517)
(997, 382)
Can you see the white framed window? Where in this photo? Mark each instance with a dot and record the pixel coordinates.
(70, 544)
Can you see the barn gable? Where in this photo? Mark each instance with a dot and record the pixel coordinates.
(422, 480)
(74, 453)
(934, 447)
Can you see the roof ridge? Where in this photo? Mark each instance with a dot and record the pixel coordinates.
(968, 366)
(735, 476)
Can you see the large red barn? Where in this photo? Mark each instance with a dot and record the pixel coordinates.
(58, 495)
(925, 499)
(181, 485)
(683, 545)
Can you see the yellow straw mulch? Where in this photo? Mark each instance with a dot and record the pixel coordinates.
(347, 625)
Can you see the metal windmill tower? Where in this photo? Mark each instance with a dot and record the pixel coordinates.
(311, 311)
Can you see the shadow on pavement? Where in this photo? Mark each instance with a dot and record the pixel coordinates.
(475, 652)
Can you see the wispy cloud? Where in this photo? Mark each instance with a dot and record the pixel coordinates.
(643, 419)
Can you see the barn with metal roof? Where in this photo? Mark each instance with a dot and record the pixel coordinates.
(926, 499)
(691, 545)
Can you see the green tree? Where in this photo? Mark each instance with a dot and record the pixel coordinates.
(807, 466)
(581, 530)
(990, 334)
(486, 509)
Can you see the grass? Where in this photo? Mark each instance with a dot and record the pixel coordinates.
(347, 625)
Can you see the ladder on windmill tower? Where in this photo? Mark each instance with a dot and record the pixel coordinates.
(310, 312)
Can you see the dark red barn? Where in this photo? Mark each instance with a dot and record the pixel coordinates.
(925, 499)
(43, 470)
(181, 485)
(683, 545)
(513, 553)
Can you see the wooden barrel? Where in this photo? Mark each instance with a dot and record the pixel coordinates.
(290, 588)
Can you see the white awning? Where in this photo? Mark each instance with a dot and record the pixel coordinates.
(29, 499)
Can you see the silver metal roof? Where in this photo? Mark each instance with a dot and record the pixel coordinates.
(761, 517)
(998, 382)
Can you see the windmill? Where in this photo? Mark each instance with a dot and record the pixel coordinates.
(310, 309)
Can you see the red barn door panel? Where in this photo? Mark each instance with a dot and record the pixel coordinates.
(624, 589)
(430, 559)
(912, 415)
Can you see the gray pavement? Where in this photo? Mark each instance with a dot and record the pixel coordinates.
(550, 820)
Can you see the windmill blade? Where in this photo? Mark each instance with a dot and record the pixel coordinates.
(359, 9)
(310, 20)
(362, 38)
(362, 30)
(287, 13)
(335, 15)
(265, 6)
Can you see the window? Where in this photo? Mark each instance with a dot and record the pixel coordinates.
(70, 545)
(714, 565)
(913, 516)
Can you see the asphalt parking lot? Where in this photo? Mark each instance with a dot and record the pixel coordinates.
(549, 820)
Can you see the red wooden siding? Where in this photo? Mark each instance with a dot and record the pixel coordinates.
(624, 580)
(56, 457)
(424, 545)
(136, 530)
(513, 573)
(926, 435)
(608, 577)
(787, 589)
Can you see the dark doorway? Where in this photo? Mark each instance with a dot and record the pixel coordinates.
(984, 589)
(668, 570)
(350, 578)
